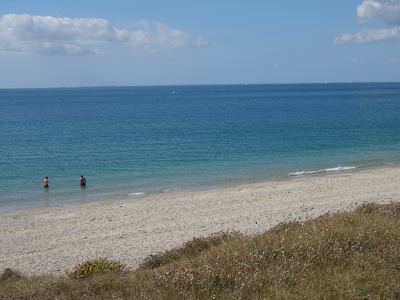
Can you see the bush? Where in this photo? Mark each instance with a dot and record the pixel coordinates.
(190, 249)
(96, 266)
(9, 275)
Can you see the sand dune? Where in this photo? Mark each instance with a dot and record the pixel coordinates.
(53, 240)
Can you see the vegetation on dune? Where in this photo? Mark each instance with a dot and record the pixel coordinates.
(341, 256)
(190, 249)
(96, 267)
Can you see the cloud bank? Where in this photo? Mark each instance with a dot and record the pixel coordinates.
(386, 11)
(45, 35)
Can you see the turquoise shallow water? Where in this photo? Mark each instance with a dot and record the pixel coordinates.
(133, 141)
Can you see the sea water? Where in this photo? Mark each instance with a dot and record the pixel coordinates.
(134, 141)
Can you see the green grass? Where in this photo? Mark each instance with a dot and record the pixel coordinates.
(341, 256)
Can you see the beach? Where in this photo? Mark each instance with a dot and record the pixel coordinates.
(55, 240)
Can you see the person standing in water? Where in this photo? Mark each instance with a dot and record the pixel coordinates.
(46, 182)
(82, 181)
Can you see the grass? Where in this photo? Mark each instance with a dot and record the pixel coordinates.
(341, 256)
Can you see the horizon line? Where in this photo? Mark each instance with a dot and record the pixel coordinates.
(196, 84)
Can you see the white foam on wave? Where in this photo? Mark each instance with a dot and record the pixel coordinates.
(136, 194)
(329, 170)
(337, 169)
(171, 190)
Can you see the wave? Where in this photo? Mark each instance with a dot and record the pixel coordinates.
(153, 192)
(136, 194)
(328, 170)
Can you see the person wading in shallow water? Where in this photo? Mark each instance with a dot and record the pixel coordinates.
(46, 182)
(82, 181)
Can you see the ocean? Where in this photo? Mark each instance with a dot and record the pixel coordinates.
(130, 142)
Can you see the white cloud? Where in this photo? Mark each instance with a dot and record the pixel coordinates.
(387, 11)
(369, 36)
(45, 35)
(277, 65)
(391, 61)
(356, 60)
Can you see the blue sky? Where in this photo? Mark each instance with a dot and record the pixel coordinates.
(73, 43)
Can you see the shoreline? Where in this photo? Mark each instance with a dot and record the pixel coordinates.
(90, 198)
(56, 239)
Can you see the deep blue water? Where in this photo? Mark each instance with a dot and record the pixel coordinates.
(133, 141)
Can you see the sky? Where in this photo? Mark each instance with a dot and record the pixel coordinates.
(54, 43)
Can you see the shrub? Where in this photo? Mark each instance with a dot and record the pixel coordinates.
(96, 266)
(190, 249)
(9, 275)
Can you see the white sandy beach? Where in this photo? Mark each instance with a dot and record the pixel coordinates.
(53, 240)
